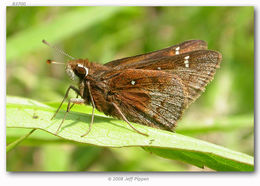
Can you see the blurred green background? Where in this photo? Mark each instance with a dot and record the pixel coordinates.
(102, 34)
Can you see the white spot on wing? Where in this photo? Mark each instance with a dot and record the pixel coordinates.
(159, 68)
(186, 61)
(177, 50)
(133, 82)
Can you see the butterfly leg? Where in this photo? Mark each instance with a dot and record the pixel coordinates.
(65, 97)
(93, 110)
(73, 101)
(124, 118)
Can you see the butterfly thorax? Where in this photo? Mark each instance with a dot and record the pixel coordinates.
(83, 72)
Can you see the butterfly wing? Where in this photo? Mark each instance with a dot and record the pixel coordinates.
(149, 97)
(155, 88)
(184, 47)
(195, 69)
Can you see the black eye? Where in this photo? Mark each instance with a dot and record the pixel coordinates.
(81, 71)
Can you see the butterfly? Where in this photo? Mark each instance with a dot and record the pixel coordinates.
(151, 89)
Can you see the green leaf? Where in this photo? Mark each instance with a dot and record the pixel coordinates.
(17, 142)
(109, 132)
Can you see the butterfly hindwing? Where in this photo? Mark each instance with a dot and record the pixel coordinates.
(153, 98)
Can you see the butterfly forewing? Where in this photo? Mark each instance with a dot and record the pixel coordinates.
(196, 69)
(184, 47)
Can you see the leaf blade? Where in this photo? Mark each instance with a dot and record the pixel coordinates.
(109, 132)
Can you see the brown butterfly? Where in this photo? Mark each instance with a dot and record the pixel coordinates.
(152, 89)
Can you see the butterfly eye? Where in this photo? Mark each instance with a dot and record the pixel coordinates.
(81, 70)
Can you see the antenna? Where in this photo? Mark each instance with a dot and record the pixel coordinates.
(49, 61)
(58, 50)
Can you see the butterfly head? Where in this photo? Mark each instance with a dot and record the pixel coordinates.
(78, 69)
